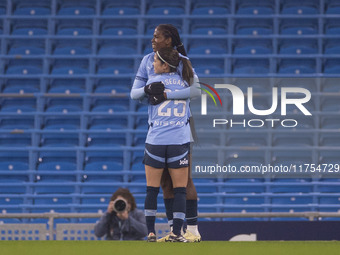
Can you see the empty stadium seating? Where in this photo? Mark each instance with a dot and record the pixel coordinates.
(70, 135)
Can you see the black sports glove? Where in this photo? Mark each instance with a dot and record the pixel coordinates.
(154, 88)
(156, 99)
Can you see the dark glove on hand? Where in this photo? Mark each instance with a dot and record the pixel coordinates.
(154, 88)
(156, 99)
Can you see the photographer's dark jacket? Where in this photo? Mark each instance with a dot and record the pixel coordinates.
(134, 228)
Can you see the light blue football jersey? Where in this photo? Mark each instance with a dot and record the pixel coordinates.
(168, 121)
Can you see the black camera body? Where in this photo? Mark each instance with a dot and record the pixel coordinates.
(119, 205)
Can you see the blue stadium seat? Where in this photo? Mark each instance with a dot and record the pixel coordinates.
(332, 27)
(52, 176)
(328, 185)
(95, 199)
(39, 7)
(291, 199)
(208, 66)
(16, 105)
(50, 187)
(11, 200)
(333, 7)
(117, 48)
(155, 7)
(303, 27)
(329, 199)
(15, 140)
(109, 105)
(331, 47)
(104, 166)
(59, 140)
(63, 105)
(27, 48)
(16, 123)
(112, 86)
(248, 7)
(251, 66)
(19, 158)
(105, 140)
(122, 7)
(29, 28)
(72, 48)
(102, 178)
(52, 200)
(52, 161)
(255, 27)
(107, 123)
(70, 67)
(253, 47)
(100, 188)
(332, 66)
(66, 86)
(298, 47)
(215, 7)
(61, 123)
(75, 8)
(209, 27)
(24, 67)
(56, 166)
(3, 6)
(73, 27)
(207, 47)
(243, 199)
(297, 66)
(151, 24)
(22, 86)
(290, 186)
(119, 28)
(300, 7)
(104, 156)
(115, 67)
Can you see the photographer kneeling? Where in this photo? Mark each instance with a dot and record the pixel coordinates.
(122, 221)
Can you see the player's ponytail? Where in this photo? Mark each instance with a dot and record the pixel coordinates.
(187, 73)
(172, 58)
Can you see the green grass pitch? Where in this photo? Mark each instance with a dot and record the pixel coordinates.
(135, 247)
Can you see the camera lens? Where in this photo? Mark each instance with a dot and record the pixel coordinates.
(120, 205)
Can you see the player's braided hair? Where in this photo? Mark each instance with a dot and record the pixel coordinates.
(169, 31)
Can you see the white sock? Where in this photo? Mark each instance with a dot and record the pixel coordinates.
(193, 229)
